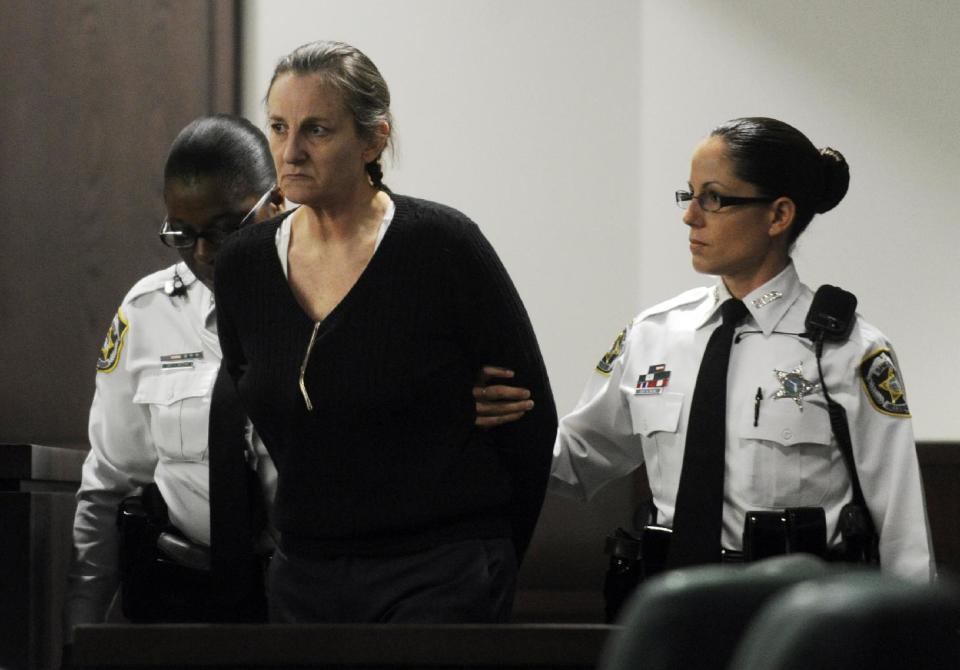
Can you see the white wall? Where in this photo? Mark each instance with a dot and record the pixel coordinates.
(562, 127)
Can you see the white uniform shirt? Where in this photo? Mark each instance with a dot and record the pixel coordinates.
(148, 423)
(636, 405)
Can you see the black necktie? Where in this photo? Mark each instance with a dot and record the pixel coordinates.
(235, 511)
(698, 517)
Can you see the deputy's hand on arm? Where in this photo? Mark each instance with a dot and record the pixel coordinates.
(498, 403)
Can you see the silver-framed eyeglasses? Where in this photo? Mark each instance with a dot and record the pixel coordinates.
(176, 234)
(712, 202)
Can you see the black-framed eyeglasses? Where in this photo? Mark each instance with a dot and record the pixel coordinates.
(711, 202)
(175, 234)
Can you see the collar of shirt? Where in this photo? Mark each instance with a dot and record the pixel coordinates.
(210, 313)
(201, 299)
(282, 237)
(767, 304)
(186, 276)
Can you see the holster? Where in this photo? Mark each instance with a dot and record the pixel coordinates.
(858, 542)
(154, 587)
(633, 558)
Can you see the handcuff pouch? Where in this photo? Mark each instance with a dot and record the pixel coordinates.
(789, 531)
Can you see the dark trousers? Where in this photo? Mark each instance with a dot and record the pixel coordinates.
(472, 581)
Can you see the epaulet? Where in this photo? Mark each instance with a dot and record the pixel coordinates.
(686, 298)
(156, 281)
(692, 296)
(110, 351)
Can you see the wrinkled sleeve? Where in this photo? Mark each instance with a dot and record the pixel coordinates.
(122, 459)
(595, 442)
(498, 331)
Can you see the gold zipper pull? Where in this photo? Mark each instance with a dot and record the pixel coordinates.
(303, 366)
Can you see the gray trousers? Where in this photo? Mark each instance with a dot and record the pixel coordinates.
(470, 581)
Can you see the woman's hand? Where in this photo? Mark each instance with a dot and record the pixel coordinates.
(498, 403)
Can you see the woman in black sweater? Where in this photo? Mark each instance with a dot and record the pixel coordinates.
(353, 327)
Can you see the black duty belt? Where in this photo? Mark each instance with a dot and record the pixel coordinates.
(765, 533)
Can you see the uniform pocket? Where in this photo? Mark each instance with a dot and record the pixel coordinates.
(792, 452)
(655, 413)
(179, 406)
(783, 422)
(656, 418)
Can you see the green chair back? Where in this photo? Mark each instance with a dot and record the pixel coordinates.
(862, 619)
(692, 619)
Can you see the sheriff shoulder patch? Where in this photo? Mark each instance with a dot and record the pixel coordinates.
(113, 344)
(606, 363)
(881, 383)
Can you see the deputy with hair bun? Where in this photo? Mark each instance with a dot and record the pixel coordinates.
(354, 327)
(732, 420)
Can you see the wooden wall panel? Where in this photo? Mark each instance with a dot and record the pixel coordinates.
(940, 468)
(94, 92)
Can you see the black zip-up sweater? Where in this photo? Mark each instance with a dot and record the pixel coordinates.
(389, 460)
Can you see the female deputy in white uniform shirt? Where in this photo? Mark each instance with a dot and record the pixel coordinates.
(754, 186)
(155, 376)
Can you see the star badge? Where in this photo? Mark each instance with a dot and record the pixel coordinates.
(892, 386)
(794, 386)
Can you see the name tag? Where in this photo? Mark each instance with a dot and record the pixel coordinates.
(173, 361)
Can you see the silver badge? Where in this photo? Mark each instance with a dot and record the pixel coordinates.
(794, 386)
(766, 299)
